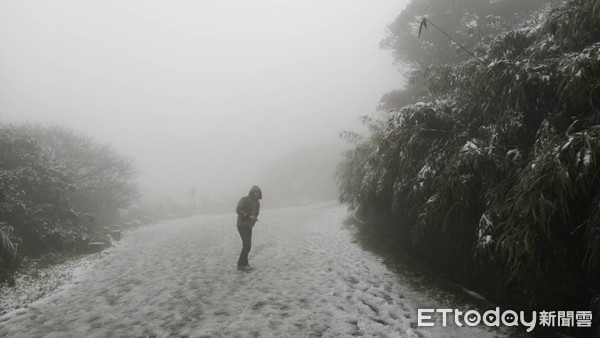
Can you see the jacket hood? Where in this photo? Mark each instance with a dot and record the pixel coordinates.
(253, 189)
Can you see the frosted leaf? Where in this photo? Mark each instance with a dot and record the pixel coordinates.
(432, 199)
(514, 154)
(425, 172)
(587, 158)
(484, 229)
(469, 146)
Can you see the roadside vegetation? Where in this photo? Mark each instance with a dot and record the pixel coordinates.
(58, 192)
(488, 168)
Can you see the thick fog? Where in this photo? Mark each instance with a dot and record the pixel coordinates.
(215, 95)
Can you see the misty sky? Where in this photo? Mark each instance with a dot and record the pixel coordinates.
(199, 93)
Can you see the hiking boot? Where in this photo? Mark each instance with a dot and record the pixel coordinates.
(245, 268)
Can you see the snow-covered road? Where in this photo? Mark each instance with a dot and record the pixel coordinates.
(179, 278)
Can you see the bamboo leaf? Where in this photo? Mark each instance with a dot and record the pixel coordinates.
(423, 24)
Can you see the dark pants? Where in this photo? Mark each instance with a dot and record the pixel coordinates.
(246, 234)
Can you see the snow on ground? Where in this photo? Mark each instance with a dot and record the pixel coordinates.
(37, 278)
(179, 278)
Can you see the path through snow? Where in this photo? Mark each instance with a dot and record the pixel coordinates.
(178, 278)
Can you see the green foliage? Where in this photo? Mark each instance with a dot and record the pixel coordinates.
(475, 25)
(580, 87)
(103, 179)
(554, 203)
(52, 182)
(352, 175)
(8, 245)
(577, 24)
(496, 167)
(470, 21)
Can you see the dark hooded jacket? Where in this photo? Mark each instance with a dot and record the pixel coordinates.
(247, 206)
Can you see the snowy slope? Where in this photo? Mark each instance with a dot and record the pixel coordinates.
(179, 278)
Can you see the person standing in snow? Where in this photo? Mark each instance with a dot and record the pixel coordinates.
(247, 210)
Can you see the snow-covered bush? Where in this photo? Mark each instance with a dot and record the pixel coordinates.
(52, 182)
(493, 170)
